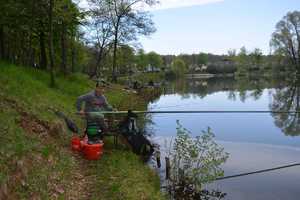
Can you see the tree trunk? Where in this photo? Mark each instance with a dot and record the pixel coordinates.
(64, 50)
(43, 59)
(99, 59)
(73, 59)
(2, 50)
(32, 58)
(51, 50)
(298, 47)
(114, 73)
(31, 53)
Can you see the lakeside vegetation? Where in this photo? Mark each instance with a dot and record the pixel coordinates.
(98, 41)
(50, 52)
(31, 136)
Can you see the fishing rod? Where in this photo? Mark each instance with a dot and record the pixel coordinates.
(194, 112)
(259, 171)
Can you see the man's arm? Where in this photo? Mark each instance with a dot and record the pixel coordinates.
(79, 101)
(107, 106)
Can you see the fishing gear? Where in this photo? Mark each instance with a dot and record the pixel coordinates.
(258, 172)
(70, 123)
(198, 112)
(139, 143)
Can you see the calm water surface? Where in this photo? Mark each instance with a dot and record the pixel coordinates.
(254, 141)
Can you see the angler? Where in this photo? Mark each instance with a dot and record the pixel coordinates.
(94, 103)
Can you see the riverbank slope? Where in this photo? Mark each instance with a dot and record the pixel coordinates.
(36, 161)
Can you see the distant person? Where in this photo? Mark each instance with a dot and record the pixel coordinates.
(94, 103)
(136, 85)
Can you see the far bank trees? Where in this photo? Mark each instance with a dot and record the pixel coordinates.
(179, 67)
(286, 38)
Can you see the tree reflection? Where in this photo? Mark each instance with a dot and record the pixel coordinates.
(287, 99)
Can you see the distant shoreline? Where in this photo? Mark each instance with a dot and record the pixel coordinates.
(207, 76)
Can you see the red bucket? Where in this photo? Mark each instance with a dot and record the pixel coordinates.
(93, 151)
(75, 143)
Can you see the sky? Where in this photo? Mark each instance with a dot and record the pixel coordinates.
(214, 26)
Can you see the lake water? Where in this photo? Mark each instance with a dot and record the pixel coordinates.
(254, 141)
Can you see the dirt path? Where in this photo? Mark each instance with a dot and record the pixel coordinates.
(82, 181)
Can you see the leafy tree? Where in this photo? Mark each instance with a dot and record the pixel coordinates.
(202, 59)
(231, 54)
(25, 30)
(154, 60)
(179, 67)
(125, 59)
(100, 32)
(286, 38)
(242, 61)
(67, 20)
(127, 23)
(256, 57)
(188, 60)
(141, 60)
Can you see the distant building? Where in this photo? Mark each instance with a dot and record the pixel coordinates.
(150, 68)
(198, 68)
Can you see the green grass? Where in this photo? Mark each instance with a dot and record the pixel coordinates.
(122, 175)
(47, 160)
(23, 159)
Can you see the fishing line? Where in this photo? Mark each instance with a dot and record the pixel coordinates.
(173, 106)
(258, 172)
(199, 112)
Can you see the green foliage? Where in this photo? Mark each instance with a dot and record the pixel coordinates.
(146, 77)
(179, 67)
(249, 61)
(222, 69)
(256, 58)
(154, 60)
(125, 21)
(243, 62)
(195, 161)
(57, 166)
(141, 60)
(202, 59)
(125, 59)
(286, 38)
(25, 30)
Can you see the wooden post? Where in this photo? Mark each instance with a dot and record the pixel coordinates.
(168, 168)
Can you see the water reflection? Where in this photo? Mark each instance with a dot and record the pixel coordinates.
(287, 99)
(254, 141)
(286, 95)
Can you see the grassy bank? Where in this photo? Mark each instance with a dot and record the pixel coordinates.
(35, 160)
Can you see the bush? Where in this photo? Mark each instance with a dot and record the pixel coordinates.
(195, 161)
